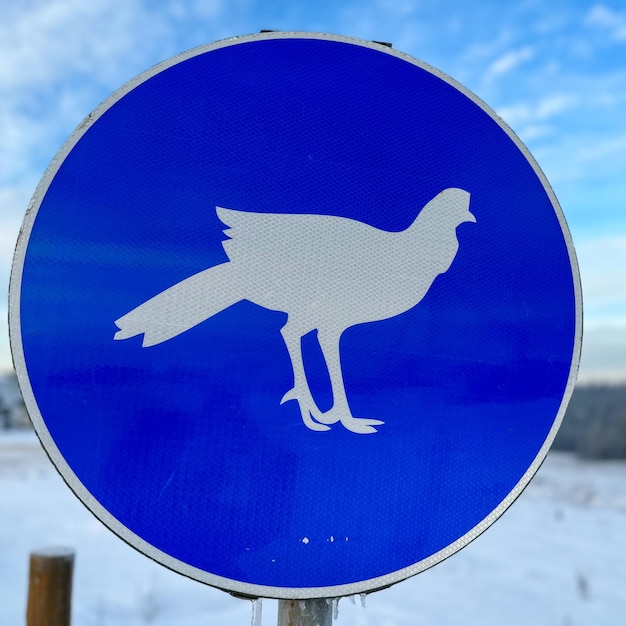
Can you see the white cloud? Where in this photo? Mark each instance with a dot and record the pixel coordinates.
(604, 17)
(61, 58)
(540, 111)
(555, 104)
(58, 56)
(509, 61)
(532, 132)
(532, 120)
(54, 46)
(592, 162)
(54, 40)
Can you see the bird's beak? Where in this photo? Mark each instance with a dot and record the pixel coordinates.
(470, 217)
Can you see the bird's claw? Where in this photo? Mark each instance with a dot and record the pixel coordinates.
(359, 425)
(290, 395)
(309, 414)
(314, 419)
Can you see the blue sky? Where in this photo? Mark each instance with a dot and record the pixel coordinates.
(556, 73)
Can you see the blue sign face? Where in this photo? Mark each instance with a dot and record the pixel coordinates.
(295, 315)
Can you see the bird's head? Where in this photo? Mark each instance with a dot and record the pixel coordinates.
(454, 204)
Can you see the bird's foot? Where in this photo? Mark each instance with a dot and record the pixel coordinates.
(308, 410)
(314, 419)
(360, 425)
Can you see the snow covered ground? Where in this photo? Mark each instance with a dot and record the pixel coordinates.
(557, 557)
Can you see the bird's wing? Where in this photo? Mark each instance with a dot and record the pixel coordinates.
(250, 233)
(288, 235)
(246, 223)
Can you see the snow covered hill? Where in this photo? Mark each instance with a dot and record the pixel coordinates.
(556, 558)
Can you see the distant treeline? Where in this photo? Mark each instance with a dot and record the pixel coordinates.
(595, 423)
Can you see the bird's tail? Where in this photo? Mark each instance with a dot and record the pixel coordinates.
(182, 306)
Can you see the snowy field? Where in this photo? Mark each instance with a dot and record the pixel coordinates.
(557, 557)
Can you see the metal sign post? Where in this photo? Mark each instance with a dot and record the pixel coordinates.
(295, 315)
(305, 612)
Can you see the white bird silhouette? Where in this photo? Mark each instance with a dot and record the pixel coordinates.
(327, 273)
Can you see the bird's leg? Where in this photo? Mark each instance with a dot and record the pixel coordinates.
(340, 411)
(300, 390)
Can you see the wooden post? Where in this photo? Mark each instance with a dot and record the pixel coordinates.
(317, 612)
(50, 587)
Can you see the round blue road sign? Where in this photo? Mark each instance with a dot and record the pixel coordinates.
(295, 315)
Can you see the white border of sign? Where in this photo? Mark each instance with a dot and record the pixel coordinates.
(234, 586)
